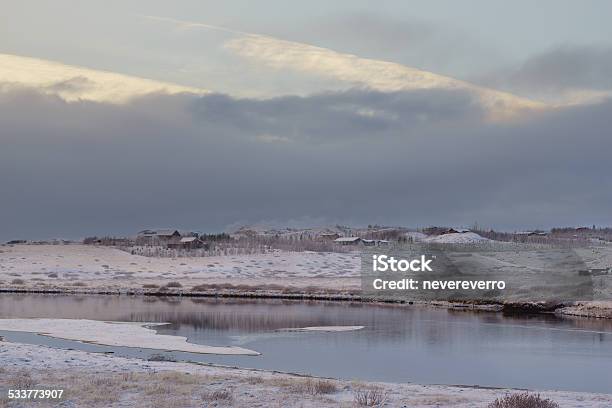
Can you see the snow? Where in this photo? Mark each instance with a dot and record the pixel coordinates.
(457, 238)
(323, 329)
(415, 236)
(51, 361)
(121, 334)
(350, 239)
(106, 267)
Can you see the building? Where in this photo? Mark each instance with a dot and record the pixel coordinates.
(187, 243)
(531, 233)
(374, 242)
(157, 237)
(456, 231)
(331, 236)
(444, 230)
(348, 240)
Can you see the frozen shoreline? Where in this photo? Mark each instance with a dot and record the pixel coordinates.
(120, 334)
(254, 386)
(331, 329)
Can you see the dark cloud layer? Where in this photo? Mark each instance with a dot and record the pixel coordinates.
(563, 68)
(413, 158)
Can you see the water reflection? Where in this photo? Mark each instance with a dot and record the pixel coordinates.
(398, 343)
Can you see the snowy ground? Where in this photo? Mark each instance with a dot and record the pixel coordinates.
(83, 266)
(99, 380)
(86, 268)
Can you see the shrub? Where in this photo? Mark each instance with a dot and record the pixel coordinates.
(18, 282)
(524, 400)
(174, 284)
(150, 286)
(369, 397)
(314, 386)
(325, 387)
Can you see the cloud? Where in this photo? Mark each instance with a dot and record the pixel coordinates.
(587, 67)
(413, 157)
(352, 70)
(409, 41)
(77, 83)
(569, 74)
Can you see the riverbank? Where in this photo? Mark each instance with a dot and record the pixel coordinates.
(99, 380)
(88, 270)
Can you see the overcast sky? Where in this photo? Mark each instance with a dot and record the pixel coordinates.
(117, 116)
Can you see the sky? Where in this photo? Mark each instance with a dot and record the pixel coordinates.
(117, 116)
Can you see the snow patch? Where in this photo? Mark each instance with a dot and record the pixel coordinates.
(457, 238)
(119, 334)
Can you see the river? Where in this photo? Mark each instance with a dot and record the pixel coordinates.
(397, 344)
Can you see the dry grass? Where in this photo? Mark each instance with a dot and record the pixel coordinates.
(176, 377)
(524, 400)
(317, 387)
(161, 357)
(254, 380)
(310, 386)
(226, 396)
(21, 380)
(369, 396)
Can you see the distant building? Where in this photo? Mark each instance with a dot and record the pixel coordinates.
(444, 230)
(348, 240)
(456, 231)
(17, 242)
(332, 236)
(532, 233)
(157, 237)
(171, 238)
(187, 243)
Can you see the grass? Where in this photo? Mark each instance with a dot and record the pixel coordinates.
(177, 389)
(524, 400)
